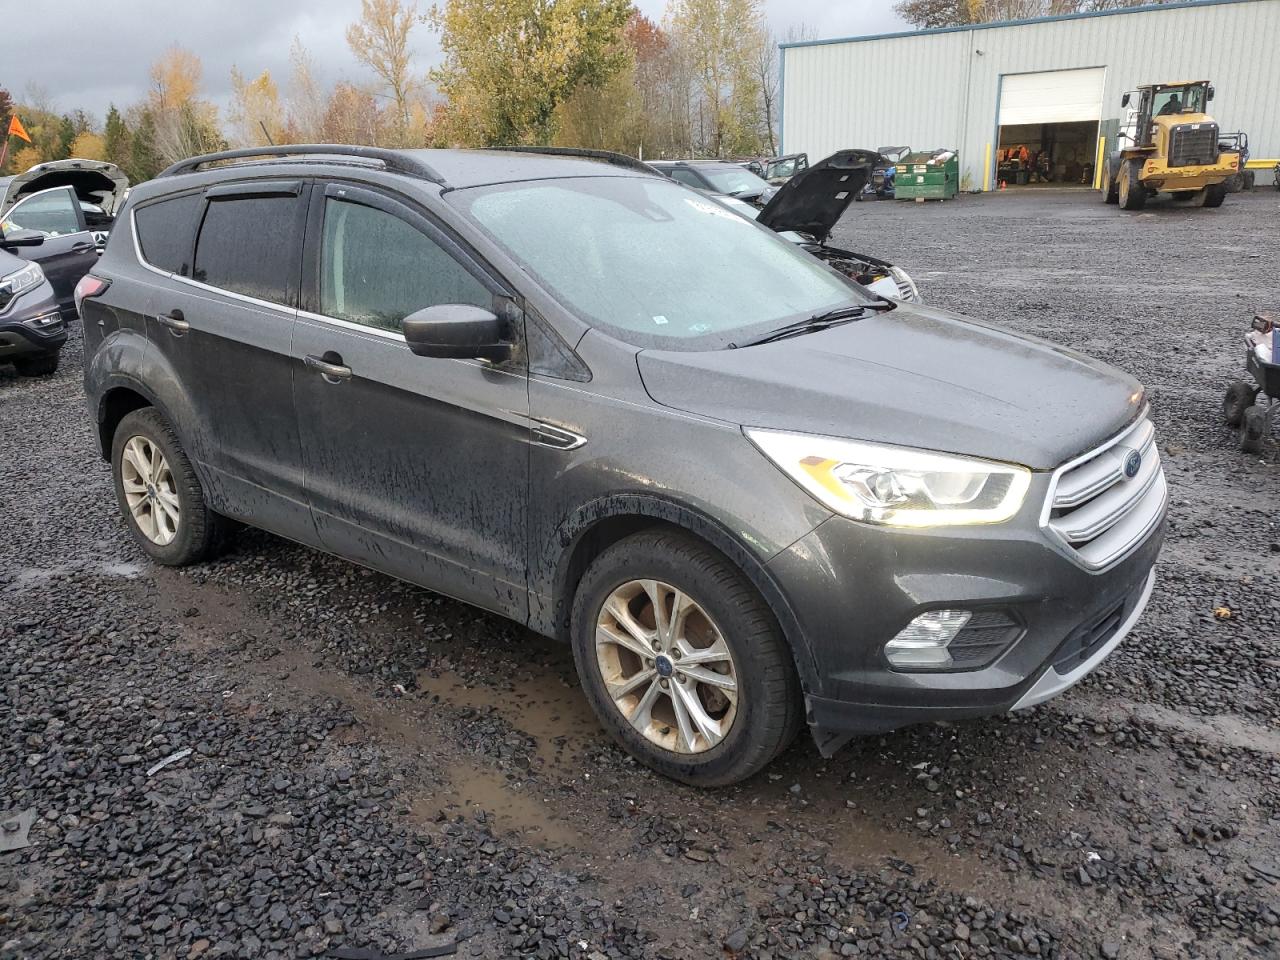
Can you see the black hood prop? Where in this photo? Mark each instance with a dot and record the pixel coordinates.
(813, 201)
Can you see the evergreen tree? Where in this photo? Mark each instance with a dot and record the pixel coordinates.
(118, 148)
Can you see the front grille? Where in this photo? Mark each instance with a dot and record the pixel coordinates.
(1097, 510)
(1193, 144)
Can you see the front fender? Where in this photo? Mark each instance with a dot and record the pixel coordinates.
(562, 552)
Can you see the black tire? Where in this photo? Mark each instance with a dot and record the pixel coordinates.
(769, 702)
(1110, 191)
(1240, 397)
(41, 366)
(1252, 428)
(1214, 194)
(199, 529)
(1132, 194)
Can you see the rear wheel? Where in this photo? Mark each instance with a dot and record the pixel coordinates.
(1110, 192)
(1214, 194)
(159, 493)
(682, 661)
(41, 366)
(1239, 398)
(1132, 194)
(1252, 428)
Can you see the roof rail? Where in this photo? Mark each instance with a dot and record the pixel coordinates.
(607, 156)
(393, 160)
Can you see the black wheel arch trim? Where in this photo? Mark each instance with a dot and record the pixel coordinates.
(578, 525)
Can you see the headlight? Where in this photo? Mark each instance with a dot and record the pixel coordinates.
(20, 281)
(897, 486)
(906, 286)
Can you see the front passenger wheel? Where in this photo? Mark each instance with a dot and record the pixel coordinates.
(682, 661)
(159, 493)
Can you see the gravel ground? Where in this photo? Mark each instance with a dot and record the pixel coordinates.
(375, 767)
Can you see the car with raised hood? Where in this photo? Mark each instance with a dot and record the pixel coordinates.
(777, 170)
(71, 204)
(806, 209)
(32, 329)
(750, 494)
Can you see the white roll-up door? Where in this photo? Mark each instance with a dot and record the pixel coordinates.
(1055, 96)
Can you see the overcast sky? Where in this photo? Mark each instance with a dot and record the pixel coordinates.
(92, 64)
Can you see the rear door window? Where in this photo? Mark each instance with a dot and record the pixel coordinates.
(54, 212)
(377, 268)
(249, 244)
(165, 229)
(688, 178)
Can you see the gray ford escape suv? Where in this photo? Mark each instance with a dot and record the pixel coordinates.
(557, 386)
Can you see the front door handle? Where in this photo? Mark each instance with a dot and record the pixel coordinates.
(331, 371)
(175, 321)
(83, 247)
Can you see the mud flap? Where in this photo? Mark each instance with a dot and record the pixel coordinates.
(829, 741)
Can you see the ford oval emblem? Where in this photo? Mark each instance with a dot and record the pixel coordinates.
(1132, 464)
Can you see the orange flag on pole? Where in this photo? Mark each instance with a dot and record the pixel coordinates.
(16, 129)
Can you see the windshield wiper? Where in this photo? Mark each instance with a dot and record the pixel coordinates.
(819, 321)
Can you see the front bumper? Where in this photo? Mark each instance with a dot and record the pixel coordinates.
(853, 586)
(19, 338)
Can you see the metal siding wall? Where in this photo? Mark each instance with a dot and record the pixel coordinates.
(910, 90)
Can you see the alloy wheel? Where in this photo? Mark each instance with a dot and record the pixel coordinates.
(666, 666)
(150, 492)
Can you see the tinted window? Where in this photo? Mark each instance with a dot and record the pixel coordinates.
(164, 232)
(249, 245)
(53, 212)
(686, 177)
(376, 269)
(654, 263)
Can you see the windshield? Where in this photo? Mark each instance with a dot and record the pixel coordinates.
(1179, 100)
(733, 180)
(785, 168)
(653, 263)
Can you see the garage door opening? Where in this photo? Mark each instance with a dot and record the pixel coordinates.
(1047, 154)
(1048, 127)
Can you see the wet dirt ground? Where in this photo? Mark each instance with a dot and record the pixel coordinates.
(373, 766)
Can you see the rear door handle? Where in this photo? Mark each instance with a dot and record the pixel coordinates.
(175, 321)
(333, 372)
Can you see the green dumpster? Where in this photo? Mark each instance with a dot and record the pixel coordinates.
(928, 175)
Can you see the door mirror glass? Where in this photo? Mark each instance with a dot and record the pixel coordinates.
(1209, 94)
(1124, 100)
(457, 331)
(22, 238)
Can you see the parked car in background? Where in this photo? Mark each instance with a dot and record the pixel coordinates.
(719, 176)
(810, 204)
(71, 205)
(32, 330)
(749, 493)
(778, 170)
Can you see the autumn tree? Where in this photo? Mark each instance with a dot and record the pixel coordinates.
(255, 115)
(307, 102)
(509, 63)
(380, 40)
(175, 78)
(721, 38)
(957, 13)
(351, 116)
(89, 146)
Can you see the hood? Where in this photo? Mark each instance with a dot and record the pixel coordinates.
(813, 201)
(95, 181)
(914, 377)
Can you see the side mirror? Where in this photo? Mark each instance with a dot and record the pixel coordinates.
(1124, 100)
(22, 238)
(1209, 95)
(456, 331)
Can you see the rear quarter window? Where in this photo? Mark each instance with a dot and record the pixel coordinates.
(250, 245)
(165, 229)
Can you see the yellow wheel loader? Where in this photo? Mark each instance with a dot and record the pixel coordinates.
(1168, 142)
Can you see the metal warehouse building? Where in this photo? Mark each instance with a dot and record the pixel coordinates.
(1052, 84)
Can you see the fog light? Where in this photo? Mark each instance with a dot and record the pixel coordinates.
(45, 320)
(923, 642)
